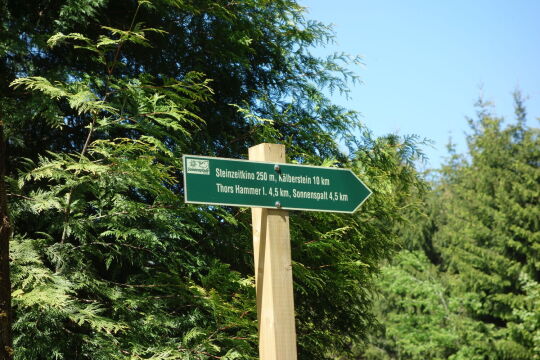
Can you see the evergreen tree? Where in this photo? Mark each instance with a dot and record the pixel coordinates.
(477, 296)
(108, 263)
(6, 315)
(490, 234)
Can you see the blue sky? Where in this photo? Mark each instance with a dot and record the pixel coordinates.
(427, 62)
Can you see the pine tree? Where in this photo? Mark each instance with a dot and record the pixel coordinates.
(477, 296)
(492, 225)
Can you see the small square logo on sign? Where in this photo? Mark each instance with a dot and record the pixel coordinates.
(198, 166)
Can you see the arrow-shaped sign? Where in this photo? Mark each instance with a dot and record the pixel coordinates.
(219, 181)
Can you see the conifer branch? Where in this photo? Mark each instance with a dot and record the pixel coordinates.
(6, 315)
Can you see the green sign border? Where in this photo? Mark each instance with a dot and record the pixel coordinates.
(186, 200)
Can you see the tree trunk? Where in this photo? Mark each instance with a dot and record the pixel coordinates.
(6, 341)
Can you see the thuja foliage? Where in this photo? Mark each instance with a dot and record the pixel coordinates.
(466, 286)
(105, 97)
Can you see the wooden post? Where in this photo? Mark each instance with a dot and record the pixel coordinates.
(273, 271)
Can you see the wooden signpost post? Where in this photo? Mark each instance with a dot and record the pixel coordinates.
(273, 271)
(271, 188)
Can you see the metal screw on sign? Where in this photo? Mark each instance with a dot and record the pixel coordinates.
(278, 204)
(276, 168)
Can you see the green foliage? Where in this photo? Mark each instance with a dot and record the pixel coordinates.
(490, 234)
(422, 317)
(477, 296)
(109, 263)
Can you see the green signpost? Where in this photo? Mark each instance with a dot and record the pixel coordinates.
(219, 181)
(270, 188)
